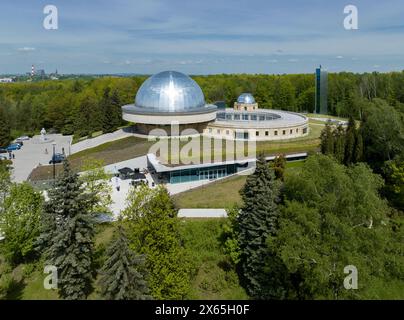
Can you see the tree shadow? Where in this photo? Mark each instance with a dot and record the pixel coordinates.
(16, 289)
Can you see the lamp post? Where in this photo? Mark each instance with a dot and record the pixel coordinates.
(53, 161)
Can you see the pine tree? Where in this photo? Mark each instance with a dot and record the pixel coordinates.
(116, 110)
(122, 277)
(257, 220)
(358, 152)
(327, 140)
(339, 145)
(70, 228)
(5, 137)
(350, 142)
(105, 106)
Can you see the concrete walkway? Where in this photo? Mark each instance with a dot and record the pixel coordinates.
(33, 153)
(202, 213)
(104, 138)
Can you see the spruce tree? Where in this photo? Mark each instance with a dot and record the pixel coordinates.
(122, 277)
(70, 228)
(5, 136)
(327, 140)
(116, 110)
(350, 142)
(258, 220)
(358, 151)
(339, 145)
(105, 106)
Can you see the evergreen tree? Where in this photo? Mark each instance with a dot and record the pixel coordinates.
(105, 106)
(350, 142)
(116, 110)
(339, 145)
(257, 220)
(358, 151)
(5, 137)
(327, 140)
(122, 277)
(71, 235)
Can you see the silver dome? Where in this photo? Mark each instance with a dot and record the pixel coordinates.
(246, 98)
(170, 91)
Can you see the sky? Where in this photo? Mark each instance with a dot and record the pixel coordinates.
(201, 37)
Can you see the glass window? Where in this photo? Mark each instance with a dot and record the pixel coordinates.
(227, 132)
(276, 132)
(304, 130)
(218, 131)
(210, 130)
(257, 133)
(291, 131)
(262, 118)
(267, 133)
(283, 132)
(236, 117)
(245, 116)
(228, 117)
(254, 117)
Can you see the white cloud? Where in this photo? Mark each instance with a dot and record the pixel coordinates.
(26, 49)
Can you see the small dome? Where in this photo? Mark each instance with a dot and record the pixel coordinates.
(170, 91)
(246, 98)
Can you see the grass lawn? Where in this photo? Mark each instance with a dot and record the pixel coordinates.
(220, 194)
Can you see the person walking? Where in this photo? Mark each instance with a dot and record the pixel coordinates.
(117, 182)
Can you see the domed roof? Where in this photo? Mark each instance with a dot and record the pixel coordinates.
(170, 91)
(246, 98)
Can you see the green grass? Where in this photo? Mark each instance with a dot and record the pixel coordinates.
(213, 276)
(220, 194)
(324, 116)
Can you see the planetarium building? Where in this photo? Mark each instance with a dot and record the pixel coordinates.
(170, 98)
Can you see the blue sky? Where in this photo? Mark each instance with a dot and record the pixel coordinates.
(201, 37)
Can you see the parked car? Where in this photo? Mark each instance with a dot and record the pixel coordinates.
(57, 158)
(19, 142)
(3, 150)
(13, 147)
(3, 157)
(22, 138)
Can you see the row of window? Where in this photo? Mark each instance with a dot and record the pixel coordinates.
(258, 133)
(246, 116)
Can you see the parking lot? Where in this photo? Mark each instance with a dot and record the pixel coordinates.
(35, 152)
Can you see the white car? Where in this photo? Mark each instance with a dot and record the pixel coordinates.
(3, 157)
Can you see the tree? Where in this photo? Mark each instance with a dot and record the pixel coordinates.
(333, 217)
(230, 234)
(95, 181)
(339, 143)
(153, 231)
(383, 133)
(358, 151)
(256, 222)
(20, 222)
(394, 173)
(70, 228)
(122, 274)
(5, 136)
(327, 139)
(350, 135)
(279, 165)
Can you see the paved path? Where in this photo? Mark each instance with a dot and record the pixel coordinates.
(33, 153)
(104, 138)
(202, 213)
